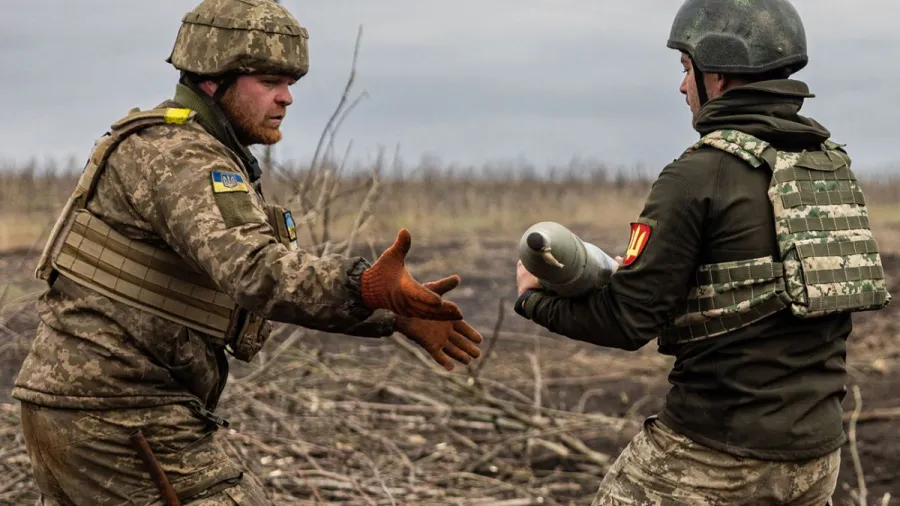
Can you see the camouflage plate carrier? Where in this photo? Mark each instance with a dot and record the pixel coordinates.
(829, 259)
(84, 249)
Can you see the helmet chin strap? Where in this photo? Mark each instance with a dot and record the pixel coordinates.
(700, 85)
(224, 120)
(223, 86)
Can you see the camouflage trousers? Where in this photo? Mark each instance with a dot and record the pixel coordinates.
(662, 468)
(85, 457)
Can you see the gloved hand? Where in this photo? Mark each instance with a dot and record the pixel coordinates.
(442, 339)
(387, 284)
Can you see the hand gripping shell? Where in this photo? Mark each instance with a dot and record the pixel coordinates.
(564, 264)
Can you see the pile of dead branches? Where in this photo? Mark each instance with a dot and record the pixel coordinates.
(388, 428)
(338, 428)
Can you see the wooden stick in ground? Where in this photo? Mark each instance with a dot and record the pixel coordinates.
(366, 211)
(326, 211)
(854, 452)
(340, 105)
(536, 370)
(473, 375)
(340, 121)
(538, 383)
(873, 415)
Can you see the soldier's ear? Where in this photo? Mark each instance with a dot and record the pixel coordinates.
(209, 87)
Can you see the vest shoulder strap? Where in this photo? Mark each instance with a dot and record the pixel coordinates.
(742, 145)
(134, 121)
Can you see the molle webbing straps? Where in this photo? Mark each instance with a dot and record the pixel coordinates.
(155, 280)
(89, 252)
(822, 227)
(848, 275)
(829, 260)
(86, 250)
(726, 297)
(87, 182)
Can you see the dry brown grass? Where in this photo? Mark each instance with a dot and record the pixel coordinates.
(437, 207)
(437, 204)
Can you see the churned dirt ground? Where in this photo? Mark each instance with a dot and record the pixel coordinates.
(343, 420)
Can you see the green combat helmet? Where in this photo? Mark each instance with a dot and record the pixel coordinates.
(241, 36)
(739, 37)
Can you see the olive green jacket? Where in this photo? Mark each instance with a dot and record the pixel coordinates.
(771, 390)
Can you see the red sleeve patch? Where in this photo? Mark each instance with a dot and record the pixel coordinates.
(640, 234)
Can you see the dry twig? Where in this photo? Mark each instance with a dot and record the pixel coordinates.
(860, 493)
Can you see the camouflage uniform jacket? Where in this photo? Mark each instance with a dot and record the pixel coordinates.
(95, 353)
(770, 390)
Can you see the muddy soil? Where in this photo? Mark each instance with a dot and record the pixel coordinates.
(576, 376)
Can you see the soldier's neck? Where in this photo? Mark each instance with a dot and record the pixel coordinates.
(210, 120)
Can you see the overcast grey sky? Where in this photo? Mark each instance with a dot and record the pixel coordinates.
(467, 81)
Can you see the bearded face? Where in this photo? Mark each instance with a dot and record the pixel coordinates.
(256, 106)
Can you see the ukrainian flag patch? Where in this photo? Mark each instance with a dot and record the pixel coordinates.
(226, 182)
(291, 227)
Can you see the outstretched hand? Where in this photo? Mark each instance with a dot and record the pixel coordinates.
(388, 284)
(443, 340)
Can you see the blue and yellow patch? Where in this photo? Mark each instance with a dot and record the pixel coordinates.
(225, 182)
(291, 227)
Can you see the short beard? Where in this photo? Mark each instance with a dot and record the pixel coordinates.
(248, 132)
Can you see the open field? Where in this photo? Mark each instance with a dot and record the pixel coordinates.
(322, 418)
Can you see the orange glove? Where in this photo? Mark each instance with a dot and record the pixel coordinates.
(442, 339)
(387, 284)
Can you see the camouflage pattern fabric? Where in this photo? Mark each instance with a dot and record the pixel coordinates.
(728, 296)
(831, 259)
(248, 492)
(221, 36)
(86, 457)
(84, 249)
(158, 188)
(660, 467)
(94, 353)
(99, 367)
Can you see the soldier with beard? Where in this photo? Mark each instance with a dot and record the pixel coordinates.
(166, 259)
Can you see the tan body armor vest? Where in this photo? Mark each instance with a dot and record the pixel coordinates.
(829, 261)
(84, 249)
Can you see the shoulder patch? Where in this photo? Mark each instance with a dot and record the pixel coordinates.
(225, 182)
(640, 234)
(178, 116)
(291, 227)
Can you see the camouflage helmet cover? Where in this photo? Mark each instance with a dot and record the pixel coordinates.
(247, 36)
(740, 36)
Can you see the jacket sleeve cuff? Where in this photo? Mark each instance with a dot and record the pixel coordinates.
(380, 324)
(354, 286)
(526, 302)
